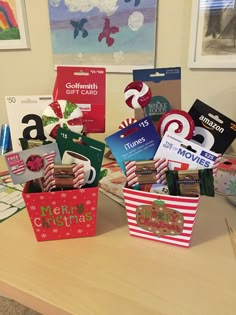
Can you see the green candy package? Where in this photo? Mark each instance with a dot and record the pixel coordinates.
(191, 182)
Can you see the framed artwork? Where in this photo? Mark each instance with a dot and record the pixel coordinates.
(13, 25)
(213, 34)
(116, 34)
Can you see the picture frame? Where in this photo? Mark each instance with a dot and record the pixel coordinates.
(119, 35)
(213, 34)
(13, 24)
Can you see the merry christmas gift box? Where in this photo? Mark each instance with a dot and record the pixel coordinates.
(159, 217)
(61, 214)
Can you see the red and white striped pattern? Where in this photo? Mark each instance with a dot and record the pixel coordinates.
(186, 205)
(127, 122)
(19, 168)
(160, 165)
(78, 170)
(48, 180)
(132, 178)
(50, 157)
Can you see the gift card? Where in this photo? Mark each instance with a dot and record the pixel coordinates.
(86, 87)
(213, 130)
(165, 86)
(183, 154)
(138, 141)
(31, 164)
(24, 117)
(76, 148)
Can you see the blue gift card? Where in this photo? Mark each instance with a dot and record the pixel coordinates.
(136, 142)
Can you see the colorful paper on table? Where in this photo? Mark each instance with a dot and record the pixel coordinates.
(11, 201)
(113, 181)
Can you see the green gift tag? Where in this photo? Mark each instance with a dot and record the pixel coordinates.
(76, 148)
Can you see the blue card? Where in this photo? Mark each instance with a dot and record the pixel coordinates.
(136, 142)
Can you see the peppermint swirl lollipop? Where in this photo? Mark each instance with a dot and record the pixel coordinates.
(62, 113)
(137, 94)
(176, 121)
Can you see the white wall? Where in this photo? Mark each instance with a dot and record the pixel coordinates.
(32, 72)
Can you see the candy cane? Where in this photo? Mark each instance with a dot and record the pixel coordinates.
(127, 122)
(78, 171)
(48, 181)
(132, 178)
(161, 167)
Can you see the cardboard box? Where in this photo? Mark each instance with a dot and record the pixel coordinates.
(163, 218)
(62, 214)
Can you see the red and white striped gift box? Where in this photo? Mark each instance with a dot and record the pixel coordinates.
(187, 206)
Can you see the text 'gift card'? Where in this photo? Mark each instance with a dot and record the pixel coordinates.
(86, 87)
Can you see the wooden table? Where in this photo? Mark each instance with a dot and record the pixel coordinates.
(114, 273)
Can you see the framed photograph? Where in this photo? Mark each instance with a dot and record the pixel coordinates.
(13, 25)
(213, 34)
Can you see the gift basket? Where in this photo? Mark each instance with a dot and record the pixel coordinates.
(170, 157)
(54, 155)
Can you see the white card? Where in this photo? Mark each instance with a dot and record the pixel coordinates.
(24, 117)
(31, 164)
(183, 154)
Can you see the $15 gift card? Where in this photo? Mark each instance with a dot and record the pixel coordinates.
(136, 142)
